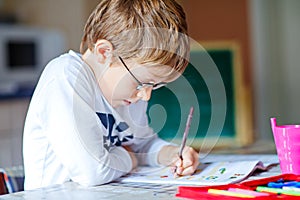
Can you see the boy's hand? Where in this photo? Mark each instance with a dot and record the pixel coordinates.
(189, 162)
(132, 156)
(168, 155)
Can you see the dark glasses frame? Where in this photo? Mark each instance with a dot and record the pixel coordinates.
(141, 84)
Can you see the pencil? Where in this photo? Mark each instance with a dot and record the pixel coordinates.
(186, 132)
(184, 137)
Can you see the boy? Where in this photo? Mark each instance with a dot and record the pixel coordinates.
(87, 118)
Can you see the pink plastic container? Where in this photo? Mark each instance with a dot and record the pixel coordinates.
(287, 141)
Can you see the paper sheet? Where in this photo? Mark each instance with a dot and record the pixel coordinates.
(216, 173)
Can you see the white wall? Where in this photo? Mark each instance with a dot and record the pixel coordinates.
(276, 60)
(69, 17)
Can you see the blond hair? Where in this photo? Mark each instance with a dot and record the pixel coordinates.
(151, 32)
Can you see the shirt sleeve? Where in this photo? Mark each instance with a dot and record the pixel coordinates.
(76, 134)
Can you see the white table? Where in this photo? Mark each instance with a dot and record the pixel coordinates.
(122, 191)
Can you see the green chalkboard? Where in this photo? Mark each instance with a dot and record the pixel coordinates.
(208, 85)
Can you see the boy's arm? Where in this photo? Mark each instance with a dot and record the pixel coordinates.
(76, 136)
(132, 156)
(147, 150)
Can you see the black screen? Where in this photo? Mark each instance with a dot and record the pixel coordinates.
(21, 54)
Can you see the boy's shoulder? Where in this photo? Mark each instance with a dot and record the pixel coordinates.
(68, 57)
(68, 66)
(70, 61)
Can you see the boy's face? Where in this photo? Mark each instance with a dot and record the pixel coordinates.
(119, 79)
(120, 87)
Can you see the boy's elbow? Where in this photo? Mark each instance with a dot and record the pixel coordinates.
(110, 168)
(94, 179)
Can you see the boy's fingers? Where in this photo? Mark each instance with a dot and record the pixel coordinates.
(186, 163)
(187, 171)
(179, 170)
(179, 163)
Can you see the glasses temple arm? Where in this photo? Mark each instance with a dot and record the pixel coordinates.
(137, 80)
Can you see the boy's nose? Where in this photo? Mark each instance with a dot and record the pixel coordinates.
(145, 93)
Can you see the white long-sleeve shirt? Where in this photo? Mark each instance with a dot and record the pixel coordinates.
(72, 133)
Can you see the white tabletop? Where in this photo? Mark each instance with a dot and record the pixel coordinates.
(122, 191)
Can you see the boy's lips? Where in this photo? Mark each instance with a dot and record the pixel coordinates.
(127, 102)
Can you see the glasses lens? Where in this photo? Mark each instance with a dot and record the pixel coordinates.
(158, 85)
(152, 85)
(144, 85)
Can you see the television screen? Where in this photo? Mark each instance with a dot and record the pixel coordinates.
(21, 54)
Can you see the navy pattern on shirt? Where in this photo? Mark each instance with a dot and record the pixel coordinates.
(115, 134)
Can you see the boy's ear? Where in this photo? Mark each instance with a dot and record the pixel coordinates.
(103, 49)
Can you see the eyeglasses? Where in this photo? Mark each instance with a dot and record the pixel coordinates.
(141, 84)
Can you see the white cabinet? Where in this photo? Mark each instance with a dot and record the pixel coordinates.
(12, 116)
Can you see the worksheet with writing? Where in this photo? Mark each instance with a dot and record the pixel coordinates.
(216, 173)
